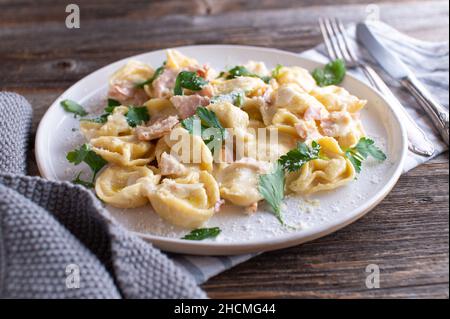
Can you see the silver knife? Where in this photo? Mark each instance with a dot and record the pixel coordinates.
(393, 66)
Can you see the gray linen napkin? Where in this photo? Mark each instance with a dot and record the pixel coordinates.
(56, 240)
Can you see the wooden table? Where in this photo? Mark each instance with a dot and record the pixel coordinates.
(406, 235)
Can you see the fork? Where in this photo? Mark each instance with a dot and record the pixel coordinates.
(338, 47)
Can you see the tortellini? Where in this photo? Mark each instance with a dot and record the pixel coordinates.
(188, 149)
(115, 125)
(336, 99)
(239, 181)
(291, 97)
(298, 76)
(125, 150)
(125, 187)
(123, 83)
(326, 173)
(188, 201)
(251, 85)
(177, 60)
(230, 116)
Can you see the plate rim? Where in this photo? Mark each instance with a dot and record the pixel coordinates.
(232, 248)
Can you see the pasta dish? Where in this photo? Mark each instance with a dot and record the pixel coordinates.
(188, 139)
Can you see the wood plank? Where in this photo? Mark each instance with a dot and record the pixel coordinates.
(51, 56)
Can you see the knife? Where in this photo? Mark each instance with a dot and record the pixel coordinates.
(394, 67)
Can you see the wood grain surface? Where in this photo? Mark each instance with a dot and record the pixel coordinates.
(407, 235)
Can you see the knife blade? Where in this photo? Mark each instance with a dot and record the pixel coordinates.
(399, 71)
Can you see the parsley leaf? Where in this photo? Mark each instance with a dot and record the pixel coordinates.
(86, 155)
(361, 151)
(240, 70)
(296, 158)
(236, 98)
(137, 115)
(73, 107)
(276, 71)
(112, 104)
(188, 80)
(271, 187)
(202, 233)
(208, 119)
(79, 181)
(332, 74)
(157, 73)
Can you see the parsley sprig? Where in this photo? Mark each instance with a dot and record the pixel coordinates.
(240, 70)
(332, 74)
(86, 155)
(208, 119)
(73, 107)
(135, 116)
(361, 151)
(271, 187)
(155, 75)
(188, 80)
(202, 233)
(294, 159)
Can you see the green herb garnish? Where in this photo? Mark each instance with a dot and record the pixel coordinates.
(332, 74)
(109, 109)
(208, 119)
(157, 73)
(86, 155)
(73, 107)
(294, 159)
(276, 71)
(240, 70)
(362, 150)
(188, 80)
(202, 233)
(271, 187)
(137, 115)
(79, 181)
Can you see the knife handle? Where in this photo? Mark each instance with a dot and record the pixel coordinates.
(437, 113)
(418, 141)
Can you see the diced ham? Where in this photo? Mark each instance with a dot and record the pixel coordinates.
(186, 105)
(156, 129)
(169, 165)
(163, 85)
(127, 94)
(207, 91)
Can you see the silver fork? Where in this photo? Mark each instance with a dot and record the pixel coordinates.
(338, 47)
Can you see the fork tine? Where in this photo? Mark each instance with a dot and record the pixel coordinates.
(339, 41)
(346, 45)
(333, 39)
(327, 40)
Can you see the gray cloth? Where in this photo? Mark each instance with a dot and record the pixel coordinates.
(54, 233)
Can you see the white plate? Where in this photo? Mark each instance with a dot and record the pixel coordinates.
(240, 233)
